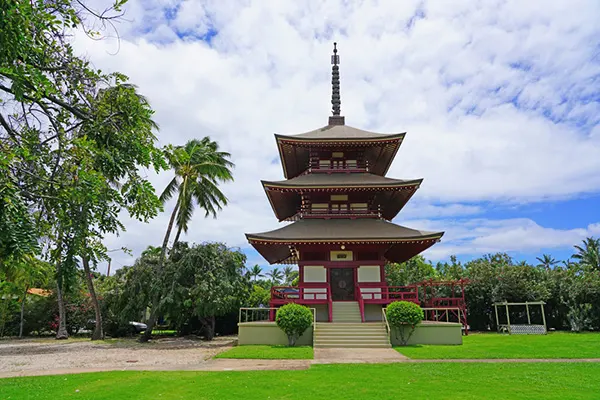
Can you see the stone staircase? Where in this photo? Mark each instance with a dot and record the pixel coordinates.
(345, 311)
(346, 330)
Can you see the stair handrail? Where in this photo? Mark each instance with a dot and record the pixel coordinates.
(361, 302)
(314, 312)
(387, 325)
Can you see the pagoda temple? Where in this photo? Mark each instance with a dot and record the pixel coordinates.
(340, 205)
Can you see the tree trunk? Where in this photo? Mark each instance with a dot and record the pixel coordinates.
(98, 332)
(61, 332)
(21, 323)
(156, 298)
(209, 327)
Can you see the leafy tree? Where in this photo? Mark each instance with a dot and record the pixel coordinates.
(260, 297)
(452, 270)
(588, 254)
(275, 275)
(33, 273)
(414, 270)
(63, 143)
(205, 281)
(294, 320)
(199, 167)
(404, 316)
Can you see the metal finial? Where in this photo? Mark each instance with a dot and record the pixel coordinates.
(335, 82)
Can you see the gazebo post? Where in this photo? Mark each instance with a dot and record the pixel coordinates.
(497, 321)
(528, 317)
(544, 316)
(507, 316)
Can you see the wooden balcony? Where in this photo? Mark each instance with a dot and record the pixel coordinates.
(337, 165)
(352, 210)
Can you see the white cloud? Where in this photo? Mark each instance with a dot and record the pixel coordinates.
(495, 96)
(481, 236)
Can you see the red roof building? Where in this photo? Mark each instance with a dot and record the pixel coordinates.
(340, 205)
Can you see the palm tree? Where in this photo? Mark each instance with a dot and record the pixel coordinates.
(256, 272)
(546, 261)
(589, 254)
(289, 274)
(199, 167)
(275, 275)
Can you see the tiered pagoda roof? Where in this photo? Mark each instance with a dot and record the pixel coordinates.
(391, 194)
(379, 149)
(309, 175)
(404, 243)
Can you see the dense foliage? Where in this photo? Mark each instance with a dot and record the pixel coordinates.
(74, 140)
(404, 316)
(571, 290)
(200, 284)
(294, 320)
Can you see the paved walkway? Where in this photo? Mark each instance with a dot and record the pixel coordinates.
(322, 356)
(357, 355)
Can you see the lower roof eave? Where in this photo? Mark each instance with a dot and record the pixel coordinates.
(399, 250)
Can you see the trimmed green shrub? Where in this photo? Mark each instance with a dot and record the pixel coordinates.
(404, 316)
(294, 319)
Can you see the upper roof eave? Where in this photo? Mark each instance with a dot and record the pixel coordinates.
(370, 137)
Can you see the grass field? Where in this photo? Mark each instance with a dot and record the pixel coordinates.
(269, 352)
(490, 345)
(359, 381)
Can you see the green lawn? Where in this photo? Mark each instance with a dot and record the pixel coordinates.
(350, 381)
(491, 345)
(269, 352)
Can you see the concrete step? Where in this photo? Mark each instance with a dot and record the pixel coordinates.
(349, 334)
(356, 345)
(351, 331)
(349, 325)
(351, 339)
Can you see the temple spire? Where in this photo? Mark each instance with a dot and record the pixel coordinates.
(336, 102)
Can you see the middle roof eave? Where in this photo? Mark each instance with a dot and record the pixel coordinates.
(341, 180)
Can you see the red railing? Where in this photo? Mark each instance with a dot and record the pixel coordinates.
(308, 293)
(382, 294)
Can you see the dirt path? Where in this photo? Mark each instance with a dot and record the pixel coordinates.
(31, 357)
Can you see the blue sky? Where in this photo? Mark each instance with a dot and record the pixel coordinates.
(500, 101)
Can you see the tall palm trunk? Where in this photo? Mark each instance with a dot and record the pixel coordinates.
(157, 293)
(177, 235)
(61, 332)
(22, 320)
(98, 332)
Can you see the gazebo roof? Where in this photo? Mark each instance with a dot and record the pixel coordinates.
(379, 149)
(402, 243)
(390, 195)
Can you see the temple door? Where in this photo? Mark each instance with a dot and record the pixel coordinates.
(342, 284)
